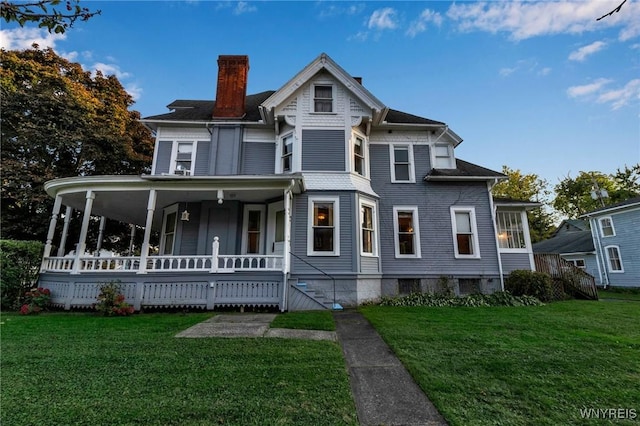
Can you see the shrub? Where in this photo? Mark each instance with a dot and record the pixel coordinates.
(19, 266)
(111, 300)
(474, 300)
(35, 300)
(530, 283)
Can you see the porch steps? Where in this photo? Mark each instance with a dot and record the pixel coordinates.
(302, 298)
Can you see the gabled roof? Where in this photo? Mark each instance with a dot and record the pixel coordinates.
(463, 171)
(631, 202)
(571, 242)
(572, 225)
(323, 62)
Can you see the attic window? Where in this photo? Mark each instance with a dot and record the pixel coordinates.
(442, 156)
(323, 98)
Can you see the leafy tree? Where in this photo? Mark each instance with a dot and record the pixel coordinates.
(46, 13)
(60, 121)
(528, 187)
(574, 196)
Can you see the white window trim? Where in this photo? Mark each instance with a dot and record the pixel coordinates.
(474, 232)
(525, 233)
(174, 156)
(166, 212)
(432, 149)
(294, 150)
(245, 226)
(412, 174)
(606, 252)
(416, 232)
(312, 97)
(374, 219)
(336, 225)
(613, 229)
(365, 153)
(575, 263)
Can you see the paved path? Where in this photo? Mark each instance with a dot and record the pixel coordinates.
(250, 325)
(383, 390)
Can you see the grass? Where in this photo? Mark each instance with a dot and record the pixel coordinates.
(78, 368)
(306, 320)
(517, 366)
(622, 294)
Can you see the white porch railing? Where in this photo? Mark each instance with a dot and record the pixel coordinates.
(213, 263)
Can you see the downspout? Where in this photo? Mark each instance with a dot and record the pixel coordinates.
(495, 231)
(604, 276)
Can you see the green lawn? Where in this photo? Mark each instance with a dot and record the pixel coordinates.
(305, 320)
(520, 366)
(631, 294)
(78, 368)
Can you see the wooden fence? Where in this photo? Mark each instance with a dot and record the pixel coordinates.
(578, 281)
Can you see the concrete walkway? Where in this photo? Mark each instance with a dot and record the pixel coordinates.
(383, 390)
(250, 325)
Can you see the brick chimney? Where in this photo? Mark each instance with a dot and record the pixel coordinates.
(232, 86)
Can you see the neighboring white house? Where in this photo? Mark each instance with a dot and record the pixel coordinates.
(299, 198)
(615, 231)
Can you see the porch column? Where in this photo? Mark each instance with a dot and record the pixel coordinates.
(144, 252)
(65, 231)
(132, 236)
(100, 235)
(287, 245)
(82, 241)
(52, 226)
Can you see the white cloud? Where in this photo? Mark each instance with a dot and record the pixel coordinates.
(134, 90)
(623, 96)
(420, 25)
(23, 38)
(383, 19)
(109, 69)
(244, 7)
(587, 89)
(524, 20)
(337, 9)
(529, 66)
(545, 71)
(505, 72)
(582, 53)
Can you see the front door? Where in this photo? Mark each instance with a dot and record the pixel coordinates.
(275, 229)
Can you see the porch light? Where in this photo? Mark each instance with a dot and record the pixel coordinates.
(185, 214)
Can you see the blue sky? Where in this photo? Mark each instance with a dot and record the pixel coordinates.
(539, 86)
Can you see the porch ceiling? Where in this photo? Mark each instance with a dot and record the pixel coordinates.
(126, 198)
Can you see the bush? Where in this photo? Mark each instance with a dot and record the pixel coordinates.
(35, 300)
(19, 265)
(474, 300)
(111, 300)
(530, 283)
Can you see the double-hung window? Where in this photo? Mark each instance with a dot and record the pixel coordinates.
(465, 232)
(402, 170)
(183, 164)
(406, 231)
(323, 237)
(359, 158)
(323, 98)
(511, 232)
(442, 156)
(368, 245)
(286, 156)
(606, 227)
(169, 230)
(614, 259)
(253, 228)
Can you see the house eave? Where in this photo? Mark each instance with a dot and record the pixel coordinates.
(430, 178)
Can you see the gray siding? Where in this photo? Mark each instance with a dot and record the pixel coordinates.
(590, 263)
(627, 238)
(188, 232)
(222, 221)
(369, 265)
(163, 157)
(225, 150)
(513, 261)
(329, 264)
(323, 150)
(202, 159)
(258, 158)
(436, 236)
